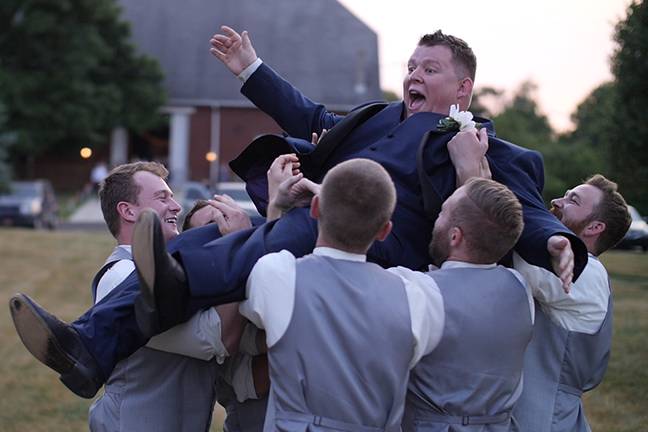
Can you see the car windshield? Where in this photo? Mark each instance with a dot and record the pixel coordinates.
(24, 190)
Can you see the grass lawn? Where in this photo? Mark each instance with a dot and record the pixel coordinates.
(56, 269)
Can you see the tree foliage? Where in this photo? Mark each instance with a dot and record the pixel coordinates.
(629, 128)
(567, 159)
(72, 74)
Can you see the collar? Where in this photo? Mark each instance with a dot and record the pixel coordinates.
(127, 248)
(463, 264)
(338, 254)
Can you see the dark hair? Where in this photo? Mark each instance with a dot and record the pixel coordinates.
(357, 199)
(119, 186)
(463, 56)
(611, 210)
(490, 217)
(186, 224)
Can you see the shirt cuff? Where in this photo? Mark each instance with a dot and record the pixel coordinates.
(248, 71)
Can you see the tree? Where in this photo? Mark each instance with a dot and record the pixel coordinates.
(6, 138)
(74, 74)
(629, 130)
(567, 161)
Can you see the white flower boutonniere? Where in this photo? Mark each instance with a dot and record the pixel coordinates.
(457, 121)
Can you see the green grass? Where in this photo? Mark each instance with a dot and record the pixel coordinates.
(56, 269)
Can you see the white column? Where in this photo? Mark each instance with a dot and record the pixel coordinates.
(118, 146)
(214, 167)
(179, 144)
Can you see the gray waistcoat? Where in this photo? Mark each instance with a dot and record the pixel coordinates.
(474, 375)
(344, 359)
(558, 367)
(153, 390)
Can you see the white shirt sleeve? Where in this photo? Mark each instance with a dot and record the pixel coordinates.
(583, 309)
(271, 294)
(426, 311)
(200, 338)
(248, 71)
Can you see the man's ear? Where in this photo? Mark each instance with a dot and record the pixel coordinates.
(456, 236)
(384, 231)
(464, 91)
(126, 211)
(314, 209)
(594, 228)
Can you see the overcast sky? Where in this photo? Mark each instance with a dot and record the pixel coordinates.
(564, 46)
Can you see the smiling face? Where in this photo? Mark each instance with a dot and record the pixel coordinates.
(575, 209)
(154, 193)
(432, 83)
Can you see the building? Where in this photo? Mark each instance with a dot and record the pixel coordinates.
(318, 45)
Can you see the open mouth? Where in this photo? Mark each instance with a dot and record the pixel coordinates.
(173, 220)
(416, 100)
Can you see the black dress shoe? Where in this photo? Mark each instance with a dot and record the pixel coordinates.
(163, 287)
(57, 345)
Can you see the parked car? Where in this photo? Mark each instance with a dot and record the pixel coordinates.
(237, 191)
(29, 203)
(637, 235)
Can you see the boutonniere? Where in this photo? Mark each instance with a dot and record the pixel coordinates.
(457, 121)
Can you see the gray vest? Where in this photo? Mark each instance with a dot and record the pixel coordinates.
(344, 359)
(558, 367)
(474, 375)
(153, 390)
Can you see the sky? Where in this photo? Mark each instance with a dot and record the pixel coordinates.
(564, 46)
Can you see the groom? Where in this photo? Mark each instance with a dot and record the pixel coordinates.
(401, 136)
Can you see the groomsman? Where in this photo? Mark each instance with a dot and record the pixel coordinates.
(472, 379)
(571, 343)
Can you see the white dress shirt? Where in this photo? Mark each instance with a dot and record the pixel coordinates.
(271, 299)
(584, 308)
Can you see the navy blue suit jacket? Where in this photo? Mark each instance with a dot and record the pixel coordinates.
(220, 270)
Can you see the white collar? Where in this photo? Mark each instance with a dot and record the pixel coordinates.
(463, 264)
(339, 254)
(127, 248)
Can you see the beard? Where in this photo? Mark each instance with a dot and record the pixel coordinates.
(439, 247)
(575, 226)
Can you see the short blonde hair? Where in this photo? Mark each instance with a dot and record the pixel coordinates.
(490, 217)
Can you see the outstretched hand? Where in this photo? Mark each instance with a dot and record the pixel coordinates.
(562, 259)
(233, 49)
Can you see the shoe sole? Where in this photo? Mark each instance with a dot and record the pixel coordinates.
(144, 255)
(37, 336)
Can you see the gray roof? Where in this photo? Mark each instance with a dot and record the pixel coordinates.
(317, 45)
